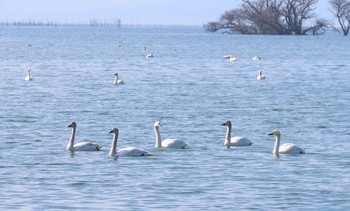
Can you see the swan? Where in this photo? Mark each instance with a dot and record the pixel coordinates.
(286, 148)
(149, 55)
(28, 77)
(232, 58)
(117, 80)
(169, 142)
(81, 146)
(260, 76)
(256, 58)
(234, 141)
(128, 151)
(227, 56)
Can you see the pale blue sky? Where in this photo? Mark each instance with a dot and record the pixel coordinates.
(129, 11)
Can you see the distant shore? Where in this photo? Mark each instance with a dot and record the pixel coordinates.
(92, 22)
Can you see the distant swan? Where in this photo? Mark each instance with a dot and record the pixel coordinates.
(234, 141)
(28, 77)
(81, 146)
(256, 58)
(227, 56)
(149, 55)
(117, 80)
(169, 142)
(260, 76)
(232, 58)
(286, 148)
(128, 151)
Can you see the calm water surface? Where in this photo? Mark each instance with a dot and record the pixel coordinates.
(192, 91)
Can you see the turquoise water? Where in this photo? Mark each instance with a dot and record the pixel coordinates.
(192, 91)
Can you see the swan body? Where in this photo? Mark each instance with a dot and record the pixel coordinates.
(256, 58)
(169, 142)
(286, 148)
(232, 58)
(81, 146)
(128, 151)
(28, 77)
(234, 141)
(117, 80)
(260, 76)
(149, 55)
(228, 56)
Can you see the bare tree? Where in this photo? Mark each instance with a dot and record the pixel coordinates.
(341, 10)
(269, 17)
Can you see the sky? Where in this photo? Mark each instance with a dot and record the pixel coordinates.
(177, 12)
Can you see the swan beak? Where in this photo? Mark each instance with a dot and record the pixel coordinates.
(270, 134)
(69, 125)
(223, 124)
(111, 131)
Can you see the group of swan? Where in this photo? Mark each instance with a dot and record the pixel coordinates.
(231, 57)
(128, 151)
(174, 143)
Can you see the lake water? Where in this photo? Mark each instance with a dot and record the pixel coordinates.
(192, 90)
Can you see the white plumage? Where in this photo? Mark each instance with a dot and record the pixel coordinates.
(81, 146)
(28, 77)
(127, 151)
(117, 80)
(260, 75)
(169, 142)
(286, 148)
(234, 141)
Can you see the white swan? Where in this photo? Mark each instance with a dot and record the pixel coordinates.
(81, 146)
(117, 80)
(128, 151)
(260, 75)
(234, 141)
(28, 77)
(169, 142)
(256, 58)
(227, 56)
(149, 55)
(232, 58)
(286, 148)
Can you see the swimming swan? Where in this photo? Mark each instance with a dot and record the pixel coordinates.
(117, 80)
(256, 58)
(227, 56)
(286, 148)
(169, 142)
(28, 77)
(149, 55)
(128, 151)
(81, 146)
(234, 141)
(260, 75)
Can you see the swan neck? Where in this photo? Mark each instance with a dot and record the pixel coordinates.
(228, 137)
(113, 150)
(277, 145)
(115, 79)
(71, 140)
(158, 139)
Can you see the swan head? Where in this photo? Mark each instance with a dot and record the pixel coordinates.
(260, 72)
(73, 125)
(275, 133)
(116, 74)
(157, 124)
(114, 131)
(227, 123)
